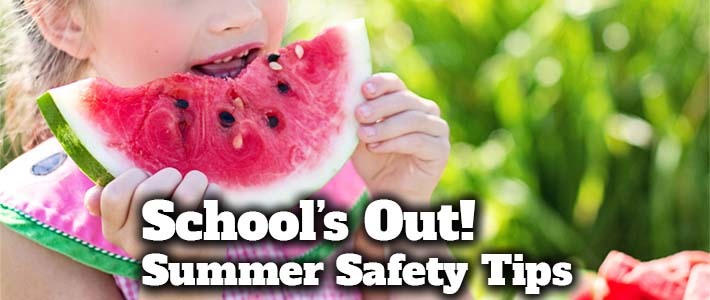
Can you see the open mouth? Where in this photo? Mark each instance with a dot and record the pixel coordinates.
(228, 65)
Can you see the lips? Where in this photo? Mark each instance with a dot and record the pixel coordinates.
(229, 64)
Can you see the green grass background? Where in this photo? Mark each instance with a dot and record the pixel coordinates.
(580, 125)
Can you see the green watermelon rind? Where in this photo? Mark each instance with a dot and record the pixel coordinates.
(71, 143)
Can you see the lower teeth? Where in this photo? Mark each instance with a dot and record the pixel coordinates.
(231, 74)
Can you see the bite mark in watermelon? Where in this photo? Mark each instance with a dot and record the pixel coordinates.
(268, 137)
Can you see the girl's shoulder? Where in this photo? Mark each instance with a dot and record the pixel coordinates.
(41, 198)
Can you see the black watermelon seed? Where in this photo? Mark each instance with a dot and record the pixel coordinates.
(283, 88)
(272, 121)
(226, 119)
(273, 57)
(182, 104)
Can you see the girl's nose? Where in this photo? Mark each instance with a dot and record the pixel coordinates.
(235, 15)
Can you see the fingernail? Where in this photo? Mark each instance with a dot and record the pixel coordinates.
(370, 88)
(368, 131)
(365, 111)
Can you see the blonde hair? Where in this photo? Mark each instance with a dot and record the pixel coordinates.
(31, 66)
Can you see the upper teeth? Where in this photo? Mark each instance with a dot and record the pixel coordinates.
(231, 58)
(224, 60)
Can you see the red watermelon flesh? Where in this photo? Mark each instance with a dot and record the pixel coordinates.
(277, 132)
(672, 277)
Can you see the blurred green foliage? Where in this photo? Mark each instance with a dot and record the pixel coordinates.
(581, 125)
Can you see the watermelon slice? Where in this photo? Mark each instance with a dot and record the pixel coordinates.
(684, 275)
(276, 133)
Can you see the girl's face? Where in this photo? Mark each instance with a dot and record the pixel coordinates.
(135, 41)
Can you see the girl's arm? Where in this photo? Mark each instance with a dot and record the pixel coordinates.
(30, 271)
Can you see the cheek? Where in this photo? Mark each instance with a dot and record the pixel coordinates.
(136, 46)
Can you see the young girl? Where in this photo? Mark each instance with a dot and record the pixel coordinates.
(404, 142)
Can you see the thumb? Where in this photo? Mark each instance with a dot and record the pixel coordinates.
(92, 200)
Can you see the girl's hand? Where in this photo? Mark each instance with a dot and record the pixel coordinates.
(404, 147)
(119, 205)
(404, 143)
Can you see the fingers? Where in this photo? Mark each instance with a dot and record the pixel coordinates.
(116, 198)
(161, 185)
(382, 84)
(424, 146)
(395, 111)
(404, 123)
(189, 194)
(119, 203)
(395, 120)
(92, 200)
(393, 104)
(214, 192)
